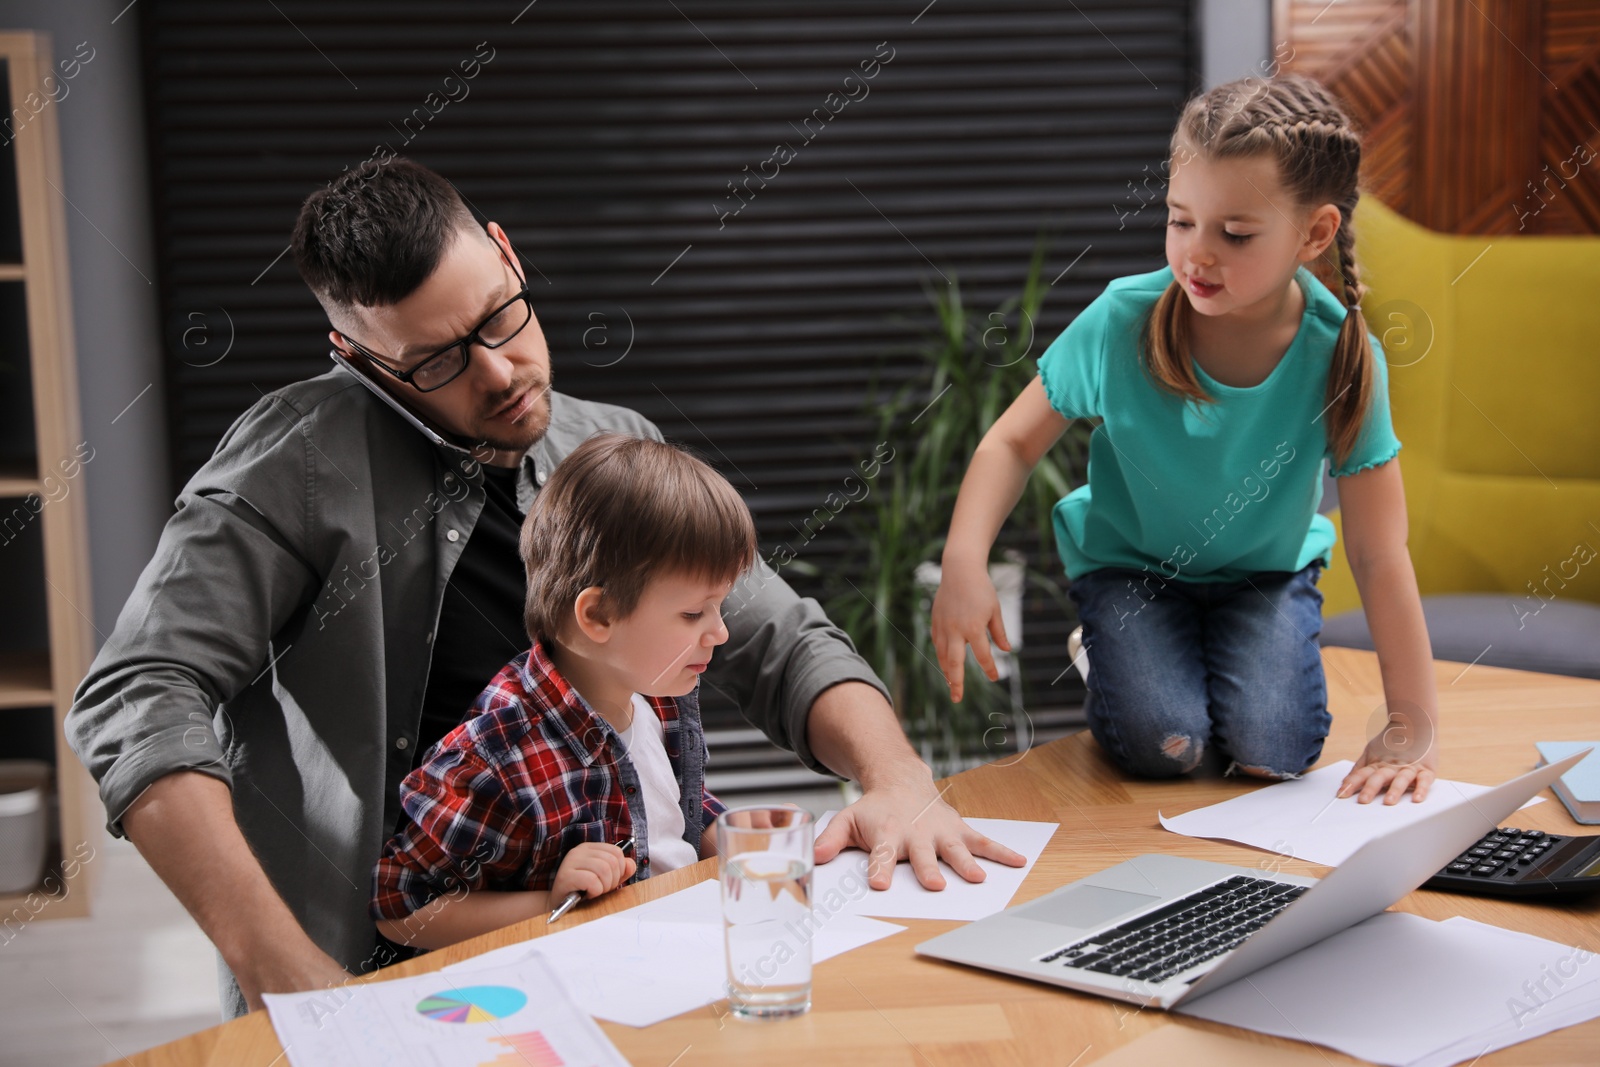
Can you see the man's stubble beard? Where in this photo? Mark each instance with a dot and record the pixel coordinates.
(533, 432)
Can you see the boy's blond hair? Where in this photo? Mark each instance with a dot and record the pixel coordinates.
(620, 510)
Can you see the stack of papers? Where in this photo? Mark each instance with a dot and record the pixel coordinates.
(491, 1015)
(637, 967)
(664, 957)
(1304, 818)
(1406, 991)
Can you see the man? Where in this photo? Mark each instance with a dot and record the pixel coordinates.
(342, 578)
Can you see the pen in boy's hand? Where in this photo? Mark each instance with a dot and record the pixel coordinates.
(577, 894)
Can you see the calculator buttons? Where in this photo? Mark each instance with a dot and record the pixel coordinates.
(1527, 864)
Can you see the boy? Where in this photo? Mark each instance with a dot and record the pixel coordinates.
(593, 735)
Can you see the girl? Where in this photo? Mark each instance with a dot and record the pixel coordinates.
(1223, 382)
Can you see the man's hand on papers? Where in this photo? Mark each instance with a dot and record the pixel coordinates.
(287, 969)
(1381, 771)
(911, 821)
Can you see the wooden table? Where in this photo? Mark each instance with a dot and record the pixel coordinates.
(882, 1005)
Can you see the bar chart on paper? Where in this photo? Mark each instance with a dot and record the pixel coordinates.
(524, 1050)
(516, 1014)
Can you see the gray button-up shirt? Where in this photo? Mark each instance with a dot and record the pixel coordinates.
(281, 637)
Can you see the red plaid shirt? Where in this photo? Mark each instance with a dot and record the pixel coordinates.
(504, 796)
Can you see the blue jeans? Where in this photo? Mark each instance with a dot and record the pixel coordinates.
(1177, 667)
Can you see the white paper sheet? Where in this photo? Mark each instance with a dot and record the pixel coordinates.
(1402, 990)
(1571, 1009)
(1303, 818)
(507, 1014)
(843, 879)
(1551, 1003)
(665, 957)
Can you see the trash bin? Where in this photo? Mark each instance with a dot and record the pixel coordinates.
(24, 823)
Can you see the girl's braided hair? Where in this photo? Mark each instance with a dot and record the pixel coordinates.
(1318, 149)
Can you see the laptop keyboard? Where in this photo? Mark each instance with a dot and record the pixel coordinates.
(1179, 935)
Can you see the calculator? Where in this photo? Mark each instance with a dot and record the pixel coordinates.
(1524, 863)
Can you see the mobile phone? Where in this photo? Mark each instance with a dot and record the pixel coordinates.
(430, 431)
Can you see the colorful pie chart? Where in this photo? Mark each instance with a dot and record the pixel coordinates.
(472, 1004)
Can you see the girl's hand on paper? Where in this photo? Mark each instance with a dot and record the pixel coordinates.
(593, 868)
(1381, 770)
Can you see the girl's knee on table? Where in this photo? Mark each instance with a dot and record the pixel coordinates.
(1174, 754)
(1149, 746)
(1278, 750)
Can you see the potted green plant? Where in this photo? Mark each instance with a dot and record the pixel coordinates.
(976, 365)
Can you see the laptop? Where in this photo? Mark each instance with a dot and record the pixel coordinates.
(1159, 930)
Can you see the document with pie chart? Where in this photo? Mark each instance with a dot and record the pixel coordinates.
(508, 1015)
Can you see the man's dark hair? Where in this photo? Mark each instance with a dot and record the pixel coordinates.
(374, 234)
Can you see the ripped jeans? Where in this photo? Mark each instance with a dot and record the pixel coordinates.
(1176, 667)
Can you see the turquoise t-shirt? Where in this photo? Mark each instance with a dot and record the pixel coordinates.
(1201, 492)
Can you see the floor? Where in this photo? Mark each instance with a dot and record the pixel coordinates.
(138, 972)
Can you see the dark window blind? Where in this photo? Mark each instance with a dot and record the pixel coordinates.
(743, 295)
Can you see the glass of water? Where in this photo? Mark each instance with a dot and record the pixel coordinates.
(766, 860)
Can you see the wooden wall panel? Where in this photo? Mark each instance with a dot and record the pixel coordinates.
(1482, 116)
(1571, 36)
(1569, 131)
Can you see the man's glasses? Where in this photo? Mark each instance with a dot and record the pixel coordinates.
(445, 366)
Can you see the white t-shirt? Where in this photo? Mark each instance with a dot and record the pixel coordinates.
(643, 738)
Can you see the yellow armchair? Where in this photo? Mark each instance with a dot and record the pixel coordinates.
(1493, 346)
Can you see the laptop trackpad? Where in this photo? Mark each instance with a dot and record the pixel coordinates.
(1085, 905)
